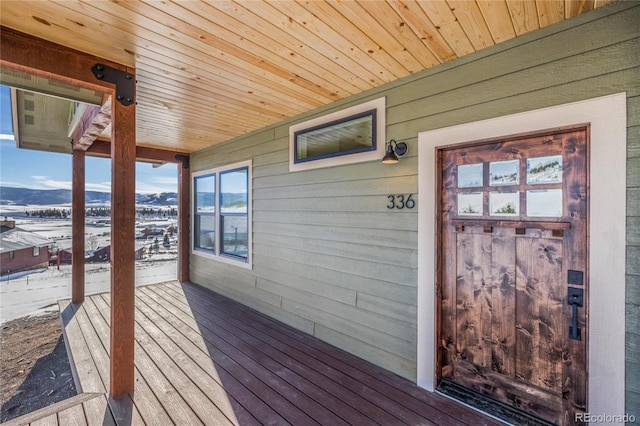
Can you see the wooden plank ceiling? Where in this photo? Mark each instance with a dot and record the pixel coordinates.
(210, 71)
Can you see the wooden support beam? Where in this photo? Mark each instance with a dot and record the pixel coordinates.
(77, 227)
(103, 149)
(25, 53)
(93, 122)
(123, 214)
(184, 246)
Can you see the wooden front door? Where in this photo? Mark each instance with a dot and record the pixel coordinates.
(512, 271)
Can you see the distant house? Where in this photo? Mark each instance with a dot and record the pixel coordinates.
(103, 254)
(21, 250)
(62, 257)
(100, 255)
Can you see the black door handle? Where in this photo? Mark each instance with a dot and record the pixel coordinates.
(575, 298)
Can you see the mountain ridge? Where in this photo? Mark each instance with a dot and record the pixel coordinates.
(11, 196)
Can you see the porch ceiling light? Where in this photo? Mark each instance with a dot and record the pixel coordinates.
(395, 150)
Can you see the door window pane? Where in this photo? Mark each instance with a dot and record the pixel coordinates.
(505, 203)
(504, 173)
(470, 175)
(544, 203)
(542, 170)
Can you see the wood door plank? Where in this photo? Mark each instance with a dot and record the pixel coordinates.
(540, 311)
(473, 316)
(540, 321)
(503, 305)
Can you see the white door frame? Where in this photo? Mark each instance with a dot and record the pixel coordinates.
(607, 231)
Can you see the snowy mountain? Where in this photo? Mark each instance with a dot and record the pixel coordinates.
(23, 196)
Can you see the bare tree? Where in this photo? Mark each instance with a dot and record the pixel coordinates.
(92, 242)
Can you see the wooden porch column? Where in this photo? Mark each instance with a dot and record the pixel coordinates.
(184, 246)
(123, 211)
(77, 226)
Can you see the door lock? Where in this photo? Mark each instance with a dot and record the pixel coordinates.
(575, 298)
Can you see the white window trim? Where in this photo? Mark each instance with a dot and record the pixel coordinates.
(217, 256)
(607, 229)
(378, 104)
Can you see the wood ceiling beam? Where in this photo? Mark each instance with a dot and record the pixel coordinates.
(92, 124)
(103, 149)
(24, 53)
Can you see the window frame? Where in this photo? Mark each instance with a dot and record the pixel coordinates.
(375, 108)
(217, 254)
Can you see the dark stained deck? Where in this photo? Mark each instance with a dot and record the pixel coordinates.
(204, 359)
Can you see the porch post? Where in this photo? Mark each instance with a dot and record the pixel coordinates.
(184, 195)
(77, 226)
(123, 210)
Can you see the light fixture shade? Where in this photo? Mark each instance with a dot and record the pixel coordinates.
(394, 150)
(390, 157)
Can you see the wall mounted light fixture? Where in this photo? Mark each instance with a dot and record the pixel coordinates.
(395, 150)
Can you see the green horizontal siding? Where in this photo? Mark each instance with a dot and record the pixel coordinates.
(331, 259)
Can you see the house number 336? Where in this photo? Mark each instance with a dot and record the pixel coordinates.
(401, 201)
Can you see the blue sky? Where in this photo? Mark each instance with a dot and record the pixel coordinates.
(24, 168)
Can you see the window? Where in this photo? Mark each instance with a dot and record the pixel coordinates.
(349, 136)
(36, 251)
(222, 213)
(12, 255)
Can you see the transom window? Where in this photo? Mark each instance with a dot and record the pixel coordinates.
(352, 135)
(221, 213)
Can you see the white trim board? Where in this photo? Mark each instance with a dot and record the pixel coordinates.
(607, 227)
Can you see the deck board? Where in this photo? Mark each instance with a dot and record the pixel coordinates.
(311, 399)
(202, 358)
(382, 387)
(83, 409)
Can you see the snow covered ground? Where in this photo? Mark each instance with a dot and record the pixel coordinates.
(30, 294)
(33, 292)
